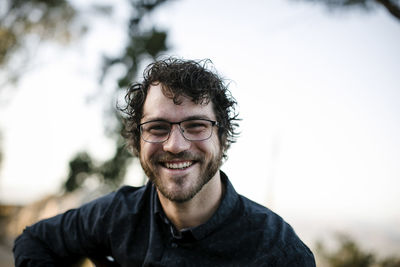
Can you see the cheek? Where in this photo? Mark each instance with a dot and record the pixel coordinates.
(210, 147)
(148, 149)
(145, 150)
(215, 141)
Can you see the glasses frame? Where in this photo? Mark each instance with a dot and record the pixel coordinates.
(213, 123)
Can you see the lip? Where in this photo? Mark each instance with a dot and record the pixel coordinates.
(184, 164)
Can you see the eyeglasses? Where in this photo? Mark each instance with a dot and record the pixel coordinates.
(158, 131)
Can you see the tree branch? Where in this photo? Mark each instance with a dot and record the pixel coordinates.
(391, 6)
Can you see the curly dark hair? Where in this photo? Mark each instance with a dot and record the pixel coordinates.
(190, 78)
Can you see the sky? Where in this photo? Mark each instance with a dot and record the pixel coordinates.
(318, 95)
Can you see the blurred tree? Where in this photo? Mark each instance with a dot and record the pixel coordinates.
(27, 24)
(390, 262)
(144, 43)
(392, 6)
(349, 254)
(24, 24)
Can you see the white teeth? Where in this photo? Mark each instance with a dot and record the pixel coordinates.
(178, 165)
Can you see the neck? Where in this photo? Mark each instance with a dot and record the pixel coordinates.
(197, 210)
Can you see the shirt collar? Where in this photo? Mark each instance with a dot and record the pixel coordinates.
(225, 208)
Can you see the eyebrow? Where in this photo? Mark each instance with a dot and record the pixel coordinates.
(193, 117)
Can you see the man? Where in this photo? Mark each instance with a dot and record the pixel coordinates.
(179, 121)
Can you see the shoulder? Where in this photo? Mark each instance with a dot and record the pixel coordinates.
(259, 215)
(126, 196)
(132, 193)
(127, 199)
(266, 236)
(276, 239)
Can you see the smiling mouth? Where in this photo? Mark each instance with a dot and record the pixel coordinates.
(178, 165)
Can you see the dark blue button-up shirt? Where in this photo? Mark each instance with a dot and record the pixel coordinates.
(129, 228)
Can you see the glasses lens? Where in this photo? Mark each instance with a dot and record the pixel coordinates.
(155, 131)
(197, 130)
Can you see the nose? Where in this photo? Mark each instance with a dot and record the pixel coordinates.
(176, 143)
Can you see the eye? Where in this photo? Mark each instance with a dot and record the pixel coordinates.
(157, 128)
(195, 125)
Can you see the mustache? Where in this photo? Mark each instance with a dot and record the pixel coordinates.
(168, 156)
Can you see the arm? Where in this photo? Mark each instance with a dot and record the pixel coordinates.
(63, 239)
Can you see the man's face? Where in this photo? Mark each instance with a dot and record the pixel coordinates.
(179, 168)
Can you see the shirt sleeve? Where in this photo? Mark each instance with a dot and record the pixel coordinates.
(65, 238)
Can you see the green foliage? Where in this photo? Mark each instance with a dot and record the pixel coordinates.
(25, 22)
(110, 172)
(392, 6)
(391, 262)
(143, 43)
(365, 4)
(349, 254)
(80, 167)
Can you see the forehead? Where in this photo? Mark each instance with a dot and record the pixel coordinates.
(159, 106)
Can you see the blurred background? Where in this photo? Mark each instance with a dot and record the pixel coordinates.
(318, 88)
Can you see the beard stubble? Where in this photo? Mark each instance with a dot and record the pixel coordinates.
(207, 172)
